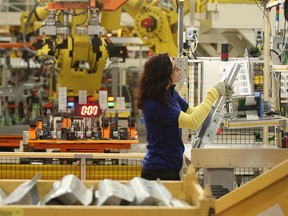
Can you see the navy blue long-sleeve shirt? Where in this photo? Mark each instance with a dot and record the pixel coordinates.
(164, 137)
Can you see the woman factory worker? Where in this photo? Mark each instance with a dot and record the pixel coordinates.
(165, 113)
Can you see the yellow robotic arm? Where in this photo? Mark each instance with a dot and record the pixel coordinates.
(156, 23)
(38, 15)
(72, 35)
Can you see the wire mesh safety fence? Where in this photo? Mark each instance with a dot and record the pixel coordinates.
(13, 167)
(248, 135)
(115, 172)
(96, 168)
(244, 175)
(252, 135)
(243, 136)
(27, 171)
(54, 172)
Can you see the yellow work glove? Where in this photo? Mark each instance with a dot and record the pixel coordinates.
(220, 87)
(224, 90)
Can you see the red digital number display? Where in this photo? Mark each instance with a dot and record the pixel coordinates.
(87, 110)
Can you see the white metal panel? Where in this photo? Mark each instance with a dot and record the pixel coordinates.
(238, 155)
(213, 72)
(239, 16)
(214, 69)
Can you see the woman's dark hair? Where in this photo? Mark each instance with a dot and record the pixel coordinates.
(154, 80)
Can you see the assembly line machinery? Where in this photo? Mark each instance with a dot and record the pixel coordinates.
(93, 132)
(72, 47)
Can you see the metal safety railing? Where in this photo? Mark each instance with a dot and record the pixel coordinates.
(52, 166)
(16, 6)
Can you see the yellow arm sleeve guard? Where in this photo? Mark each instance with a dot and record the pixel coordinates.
(195, 116)
(190, 110)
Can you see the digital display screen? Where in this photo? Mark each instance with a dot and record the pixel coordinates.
(87, 110)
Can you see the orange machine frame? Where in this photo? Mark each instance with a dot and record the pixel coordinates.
(82, 145)
(12, 141)
(108, 5)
